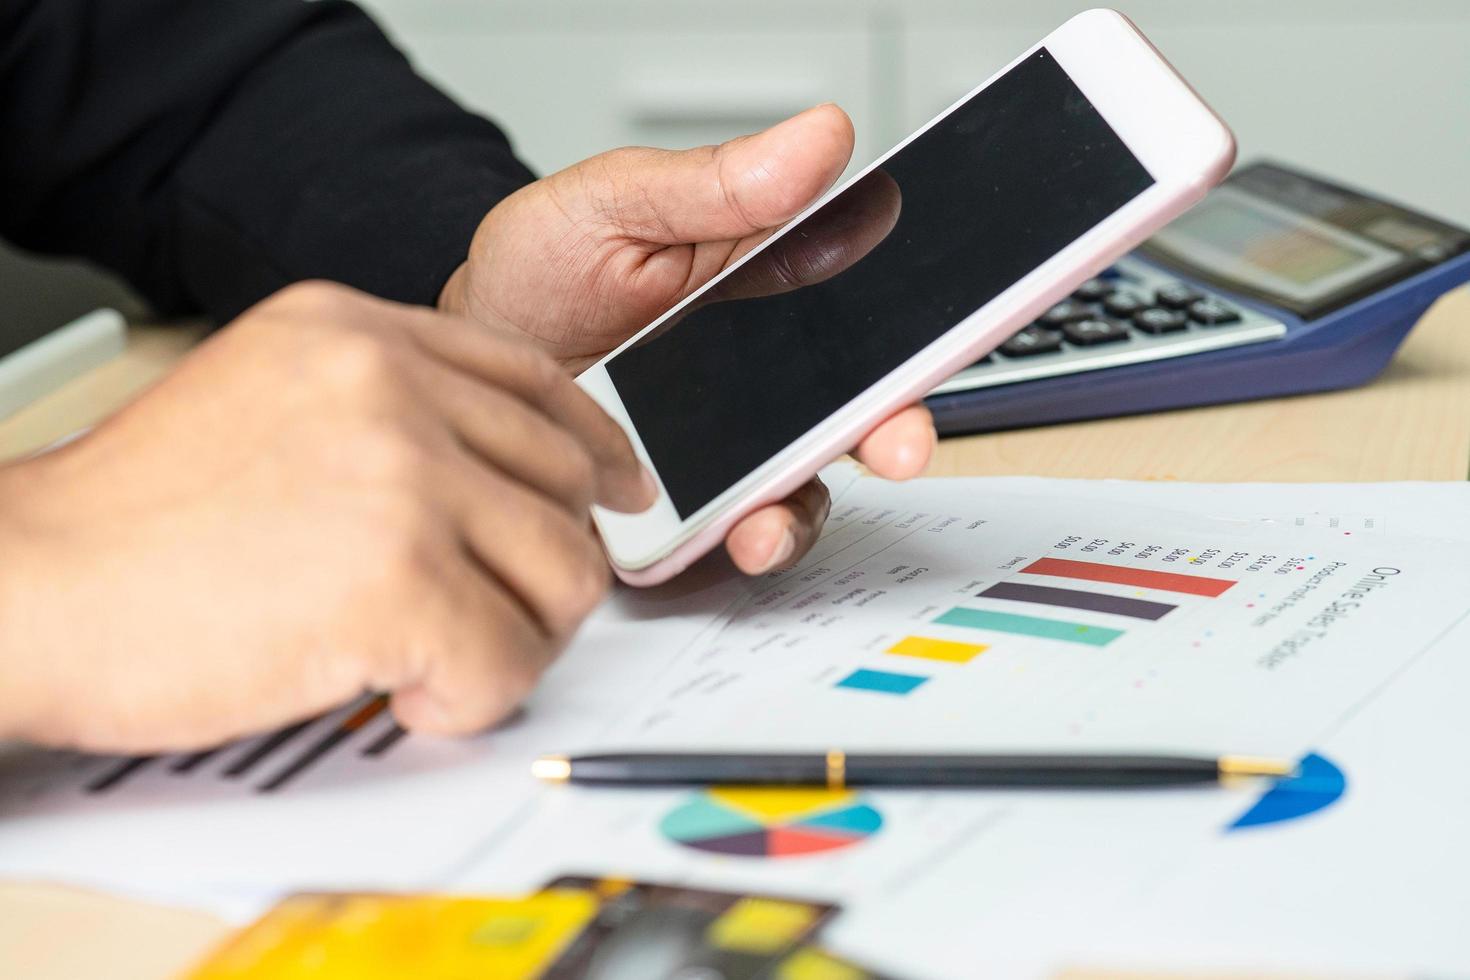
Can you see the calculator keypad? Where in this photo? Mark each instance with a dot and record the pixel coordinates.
(1095, 290)
(1032, 340)
(1067, 311)
(1086, 333)
(1125, 304)
(1212, 313)
(1156, 320)
(1177, 295)
(1132, 313)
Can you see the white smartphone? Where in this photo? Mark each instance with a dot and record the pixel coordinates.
(913, 269)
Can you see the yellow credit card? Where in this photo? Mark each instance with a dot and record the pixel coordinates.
(388, 937)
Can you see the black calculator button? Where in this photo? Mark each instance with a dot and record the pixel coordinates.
(1067, 311)
(1086, 333)
(1177, 295)
(1093, 290)
(1212, 313)
(1124, 304)
(1155, 320)
(1031, 341)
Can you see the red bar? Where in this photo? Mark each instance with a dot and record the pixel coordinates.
(1091, 571)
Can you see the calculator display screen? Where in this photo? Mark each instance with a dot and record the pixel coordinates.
(1299, 243)
(885, 268)
(1272, 245)
(1273, 249)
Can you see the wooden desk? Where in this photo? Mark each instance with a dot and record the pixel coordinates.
(1413, 423)
(151, 351)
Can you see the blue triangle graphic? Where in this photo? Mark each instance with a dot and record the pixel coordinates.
(1317, 785)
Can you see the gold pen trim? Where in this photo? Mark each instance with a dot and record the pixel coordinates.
(836, 769)
(1250, 765)
(552, 768)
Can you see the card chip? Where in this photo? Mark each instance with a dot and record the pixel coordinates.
(760, 925)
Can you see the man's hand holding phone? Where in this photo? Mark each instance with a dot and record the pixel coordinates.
(584, 258)
(922, 263)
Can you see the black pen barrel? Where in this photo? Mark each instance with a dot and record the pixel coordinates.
(987, 771)
(656, 769)
(1028, 771)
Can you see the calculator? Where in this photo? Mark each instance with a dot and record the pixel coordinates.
(1278, 282)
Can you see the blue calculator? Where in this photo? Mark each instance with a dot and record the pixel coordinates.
(1277, 283)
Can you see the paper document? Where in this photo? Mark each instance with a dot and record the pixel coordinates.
(343, 801)
(1367, 871)
(949, 616)
(1016, 622)
(1323, 624)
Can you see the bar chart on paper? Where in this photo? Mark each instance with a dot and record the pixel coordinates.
(1015, 624)
(271, 763)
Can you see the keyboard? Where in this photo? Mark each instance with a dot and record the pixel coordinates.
(1130, 314)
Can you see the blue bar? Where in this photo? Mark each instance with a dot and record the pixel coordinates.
(882, 681)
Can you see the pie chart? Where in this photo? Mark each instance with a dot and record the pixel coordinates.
(1318, 784)
(771, 823)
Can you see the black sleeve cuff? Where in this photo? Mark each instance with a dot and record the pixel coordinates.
(331, 159)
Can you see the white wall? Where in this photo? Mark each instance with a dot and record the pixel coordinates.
(1374, 93)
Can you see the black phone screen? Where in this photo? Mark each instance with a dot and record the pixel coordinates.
(875, 275)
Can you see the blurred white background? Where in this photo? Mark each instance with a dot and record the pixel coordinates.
(1373, 92)
(1376, 92)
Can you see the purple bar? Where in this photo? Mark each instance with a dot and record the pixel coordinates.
(1075, 599)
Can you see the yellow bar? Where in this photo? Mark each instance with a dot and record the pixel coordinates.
(931, 649)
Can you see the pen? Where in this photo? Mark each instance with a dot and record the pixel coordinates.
(836, 769)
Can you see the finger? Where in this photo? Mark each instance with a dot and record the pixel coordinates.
(831, 240)
(482, 665)
(717, 193)
(778, 535)
(549, 560)
(521, 369)
(514, 437)
(901, 447)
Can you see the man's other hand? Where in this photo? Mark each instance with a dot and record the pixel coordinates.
(334, 494)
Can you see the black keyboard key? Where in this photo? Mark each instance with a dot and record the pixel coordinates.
(1155, 320)
(1212, 313)
(1178, 295)
(1087, 333)
(1093, 290)
(1031, 341)
(1067, 311)
(1124, 304)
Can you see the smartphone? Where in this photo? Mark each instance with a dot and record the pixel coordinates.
(913, 269)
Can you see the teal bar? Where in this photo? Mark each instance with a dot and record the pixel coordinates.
(1046, 629)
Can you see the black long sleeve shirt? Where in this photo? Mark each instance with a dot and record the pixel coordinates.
(212, 151)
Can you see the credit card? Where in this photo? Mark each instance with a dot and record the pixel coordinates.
(815, 963)
(645, 931)
(389, 937)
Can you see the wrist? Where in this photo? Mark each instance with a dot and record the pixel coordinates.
(22, 656)
(452, 298)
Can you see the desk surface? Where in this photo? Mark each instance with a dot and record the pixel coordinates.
(1413, 423)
